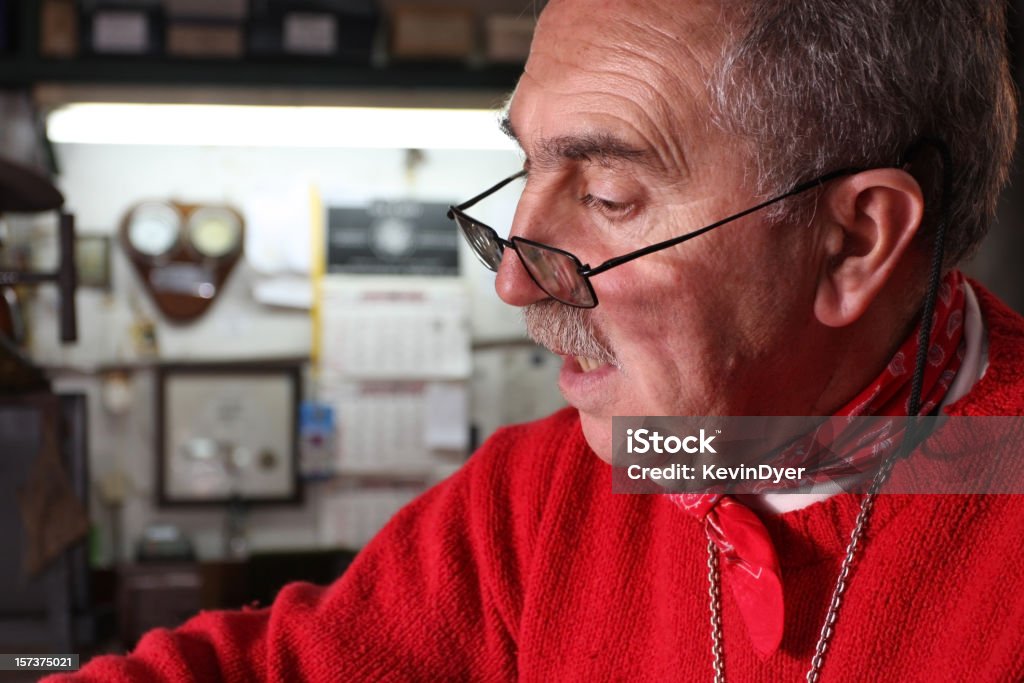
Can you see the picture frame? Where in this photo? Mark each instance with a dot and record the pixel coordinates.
(92, 260)
(227, 433)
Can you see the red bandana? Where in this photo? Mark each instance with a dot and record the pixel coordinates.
(748, 561)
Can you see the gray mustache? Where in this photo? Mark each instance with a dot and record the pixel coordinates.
(565, 329)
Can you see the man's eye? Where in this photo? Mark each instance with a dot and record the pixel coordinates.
(606, 205)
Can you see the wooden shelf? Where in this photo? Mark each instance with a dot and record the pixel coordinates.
(25, 67)
(21, 71)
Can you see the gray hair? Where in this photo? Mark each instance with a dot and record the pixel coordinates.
(816, 85)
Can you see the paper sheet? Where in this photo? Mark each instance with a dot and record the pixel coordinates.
(350, 518)
(384, 332)
(446, 423)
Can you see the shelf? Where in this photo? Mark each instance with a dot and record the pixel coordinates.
(20, 71)
(56, 369)
(24, 66)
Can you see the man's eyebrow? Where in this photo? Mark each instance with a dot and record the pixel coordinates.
(598, 147)
(506, 127)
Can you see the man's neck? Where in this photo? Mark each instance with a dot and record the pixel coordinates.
(971, 370)
(860, 352)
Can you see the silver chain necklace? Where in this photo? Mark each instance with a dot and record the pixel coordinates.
(828, 628)
(868, 504)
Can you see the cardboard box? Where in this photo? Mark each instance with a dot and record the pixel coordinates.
(205, 41)
(432, 33)
(508, 37)
(58, 28)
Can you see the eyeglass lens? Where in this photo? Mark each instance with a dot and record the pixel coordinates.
(483, 239)
(556, 273)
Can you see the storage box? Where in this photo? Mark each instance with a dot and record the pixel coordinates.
(58, 28)
(432, 33)
(303, 28)
(508, 38)
(121, 31)
(310, 33)
(205, 41)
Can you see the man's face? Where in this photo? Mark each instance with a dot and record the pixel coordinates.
(612, 116)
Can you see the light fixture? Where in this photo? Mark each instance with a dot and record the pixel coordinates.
(274, 126)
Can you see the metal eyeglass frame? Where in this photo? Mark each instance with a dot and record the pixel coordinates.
(585, 271)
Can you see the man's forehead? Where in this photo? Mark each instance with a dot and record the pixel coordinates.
(631, 65)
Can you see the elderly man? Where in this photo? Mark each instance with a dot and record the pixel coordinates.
(760, 186)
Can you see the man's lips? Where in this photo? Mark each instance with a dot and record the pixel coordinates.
(585, 365)
(588, 384)
(582, 363)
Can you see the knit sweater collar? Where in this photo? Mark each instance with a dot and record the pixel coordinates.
(822, 530)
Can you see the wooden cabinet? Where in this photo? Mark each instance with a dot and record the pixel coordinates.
(166, 594)
(154, 595)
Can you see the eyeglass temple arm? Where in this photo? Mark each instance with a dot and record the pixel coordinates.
(487, 193)
(803, 187)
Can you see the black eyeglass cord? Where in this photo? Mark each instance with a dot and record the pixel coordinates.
(935, 274)
(912, 437)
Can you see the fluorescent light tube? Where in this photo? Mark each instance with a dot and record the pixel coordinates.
(259, 126)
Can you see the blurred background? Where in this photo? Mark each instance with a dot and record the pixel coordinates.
(239, 333)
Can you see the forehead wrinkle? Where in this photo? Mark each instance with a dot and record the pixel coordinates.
(648, 146)
(665, 99)
(666, 133)
(668, 94)
(657, 67)
(664, 55)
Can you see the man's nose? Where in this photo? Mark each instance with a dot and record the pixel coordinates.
(513, 284)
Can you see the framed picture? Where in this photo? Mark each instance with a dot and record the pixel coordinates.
(92, 260)
(228, 433)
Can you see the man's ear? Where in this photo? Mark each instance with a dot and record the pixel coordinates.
(869, 219)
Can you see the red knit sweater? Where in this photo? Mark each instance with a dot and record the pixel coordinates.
(524, 565)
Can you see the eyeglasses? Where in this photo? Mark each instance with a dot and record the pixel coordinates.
(560, 274)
